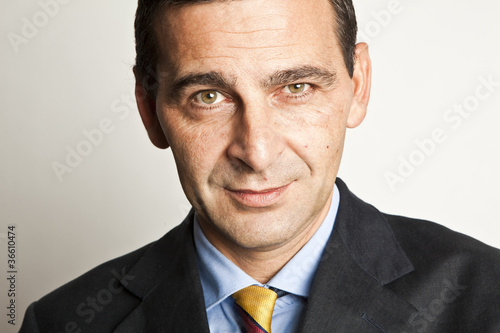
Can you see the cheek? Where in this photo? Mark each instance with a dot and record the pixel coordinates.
(321, 125)
(196, 146)
(318, 136)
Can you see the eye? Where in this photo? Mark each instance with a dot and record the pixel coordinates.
(296, 88)
(209, 97)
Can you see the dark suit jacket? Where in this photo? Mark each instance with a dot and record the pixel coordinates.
(379, 273)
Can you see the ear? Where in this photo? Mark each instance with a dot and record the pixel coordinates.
(361, 80)
(147, 109)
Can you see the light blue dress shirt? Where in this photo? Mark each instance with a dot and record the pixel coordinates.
(220, 278)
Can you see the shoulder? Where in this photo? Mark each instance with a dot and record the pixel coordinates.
(453, 274)
(98, 291)
(102, 297)
(105, 275)
(421, 239)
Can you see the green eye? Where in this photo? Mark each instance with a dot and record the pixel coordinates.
(297, 88)
(209, 96)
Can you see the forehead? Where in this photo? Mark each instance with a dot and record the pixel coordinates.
(248, 33)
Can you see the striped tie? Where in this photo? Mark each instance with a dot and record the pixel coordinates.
(256, 305)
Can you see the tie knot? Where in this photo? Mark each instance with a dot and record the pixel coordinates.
(257, 304)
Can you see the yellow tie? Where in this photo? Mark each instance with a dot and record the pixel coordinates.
(256, 305)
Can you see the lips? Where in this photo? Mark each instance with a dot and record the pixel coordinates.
(258, 199)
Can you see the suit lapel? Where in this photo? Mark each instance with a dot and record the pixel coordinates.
(168, 283)
(361, 258)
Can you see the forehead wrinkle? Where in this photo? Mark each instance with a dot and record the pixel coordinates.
(239, 32)
(243, 39)
(252, 31)
(213, 57)
(261, 47)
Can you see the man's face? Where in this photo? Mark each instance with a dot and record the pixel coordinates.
(254, 102)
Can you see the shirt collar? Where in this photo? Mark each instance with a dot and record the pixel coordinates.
(221, 278)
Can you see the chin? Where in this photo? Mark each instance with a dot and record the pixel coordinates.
(259, 244)
(259, 234)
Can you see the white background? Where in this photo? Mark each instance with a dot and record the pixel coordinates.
(75, 71)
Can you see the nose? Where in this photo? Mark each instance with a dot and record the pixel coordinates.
(257, 142)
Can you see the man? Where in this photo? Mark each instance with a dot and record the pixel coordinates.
(254, 98)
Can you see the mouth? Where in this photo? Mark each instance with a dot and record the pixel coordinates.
(258, 198)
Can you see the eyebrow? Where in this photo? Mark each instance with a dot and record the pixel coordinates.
(212, 79)
(298, 74)
(278, 78)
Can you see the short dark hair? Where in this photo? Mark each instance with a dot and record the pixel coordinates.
(147, 49)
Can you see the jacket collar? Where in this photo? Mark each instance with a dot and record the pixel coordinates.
(168, 283)
(369, 238)
(361, 258)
